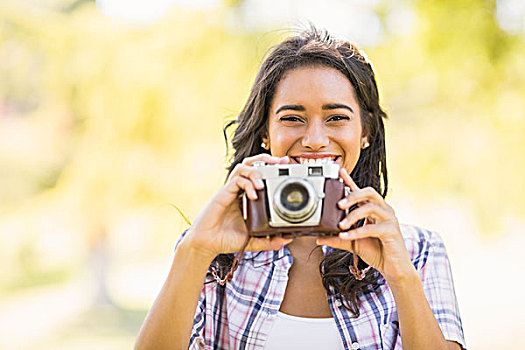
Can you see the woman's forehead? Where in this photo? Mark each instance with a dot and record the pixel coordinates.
(313, 84)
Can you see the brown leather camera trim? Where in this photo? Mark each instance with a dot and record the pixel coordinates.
(258, 225)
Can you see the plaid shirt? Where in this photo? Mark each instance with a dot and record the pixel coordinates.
(241, 314)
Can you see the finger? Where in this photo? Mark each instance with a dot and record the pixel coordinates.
(368, 210)
(238, 183)
(366, 231)
(265, 157)
(363, 194)
(348, 180)
(284, 160)
(337, 243)
(251, 173)
(274, 243)
(334, 242)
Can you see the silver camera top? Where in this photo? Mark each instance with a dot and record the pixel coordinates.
(322, 169)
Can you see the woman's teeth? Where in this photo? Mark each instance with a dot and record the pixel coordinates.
(326, 160)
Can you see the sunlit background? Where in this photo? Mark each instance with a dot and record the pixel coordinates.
(111, 111)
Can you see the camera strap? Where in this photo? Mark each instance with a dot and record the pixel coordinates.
(235, 265)
(354, 269)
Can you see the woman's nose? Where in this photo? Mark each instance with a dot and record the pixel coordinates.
(315, 138)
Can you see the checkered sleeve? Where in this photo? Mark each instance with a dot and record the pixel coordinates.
(197, 330)
(439, 287)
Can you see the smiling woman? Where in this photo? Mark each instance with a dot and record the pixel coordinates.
(378, 286)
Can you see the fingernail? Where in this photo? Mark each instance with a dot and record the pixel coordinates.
(344, 223)
(344, 235)
(259, 183)
(343, 202)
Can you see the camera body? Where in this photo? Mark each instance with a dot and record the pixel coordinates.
(297, 200)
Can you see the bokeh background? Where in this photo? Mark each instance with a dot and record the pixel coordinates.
(112, 111)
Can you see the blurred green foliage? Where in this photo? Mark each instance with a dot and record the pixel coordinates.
(99, 119)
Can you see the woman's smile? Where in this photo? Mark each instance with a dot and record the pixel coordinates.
(315, 158)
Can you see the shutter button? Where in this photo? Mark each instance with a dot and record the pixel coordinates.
(355, 345)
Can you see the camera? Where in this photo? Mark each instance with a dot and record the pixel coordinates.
(297, 200)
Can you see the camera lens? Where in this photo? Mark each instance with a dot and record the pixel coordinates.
(295, 200)
(294, 197)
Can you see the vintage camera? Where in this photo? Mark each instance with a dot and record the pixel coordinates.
(297, 200)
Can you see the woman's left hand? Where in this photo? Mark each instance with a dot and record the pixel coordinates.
(379, 243)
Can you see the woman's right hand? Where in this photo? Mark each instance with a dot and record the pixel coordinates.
(220, 227)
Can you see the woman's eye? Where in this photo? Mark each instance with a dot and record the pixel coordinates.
(291, 118)
(338, 118)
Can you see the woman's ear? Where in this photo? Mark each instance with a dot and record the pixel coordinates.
(265, 143)
(364, 142)
(366, 132)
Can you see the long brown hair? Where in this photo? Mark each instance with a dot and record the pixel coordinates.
(318, 48)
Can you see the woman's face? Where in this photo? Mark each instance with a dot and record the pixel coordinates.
(315, 114)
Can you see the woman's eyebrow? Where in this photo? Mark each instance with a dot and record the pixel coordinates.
(291, 107)
(336, 106)
(324, 107)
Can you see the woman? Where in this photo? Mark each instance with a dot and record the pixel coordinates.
(314, 97)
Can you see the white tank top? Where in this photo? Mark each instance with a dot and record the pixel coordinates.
(292, 332)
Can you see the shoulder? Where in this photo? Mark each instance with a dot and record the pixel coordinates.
(421, 243)
(417, 235)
